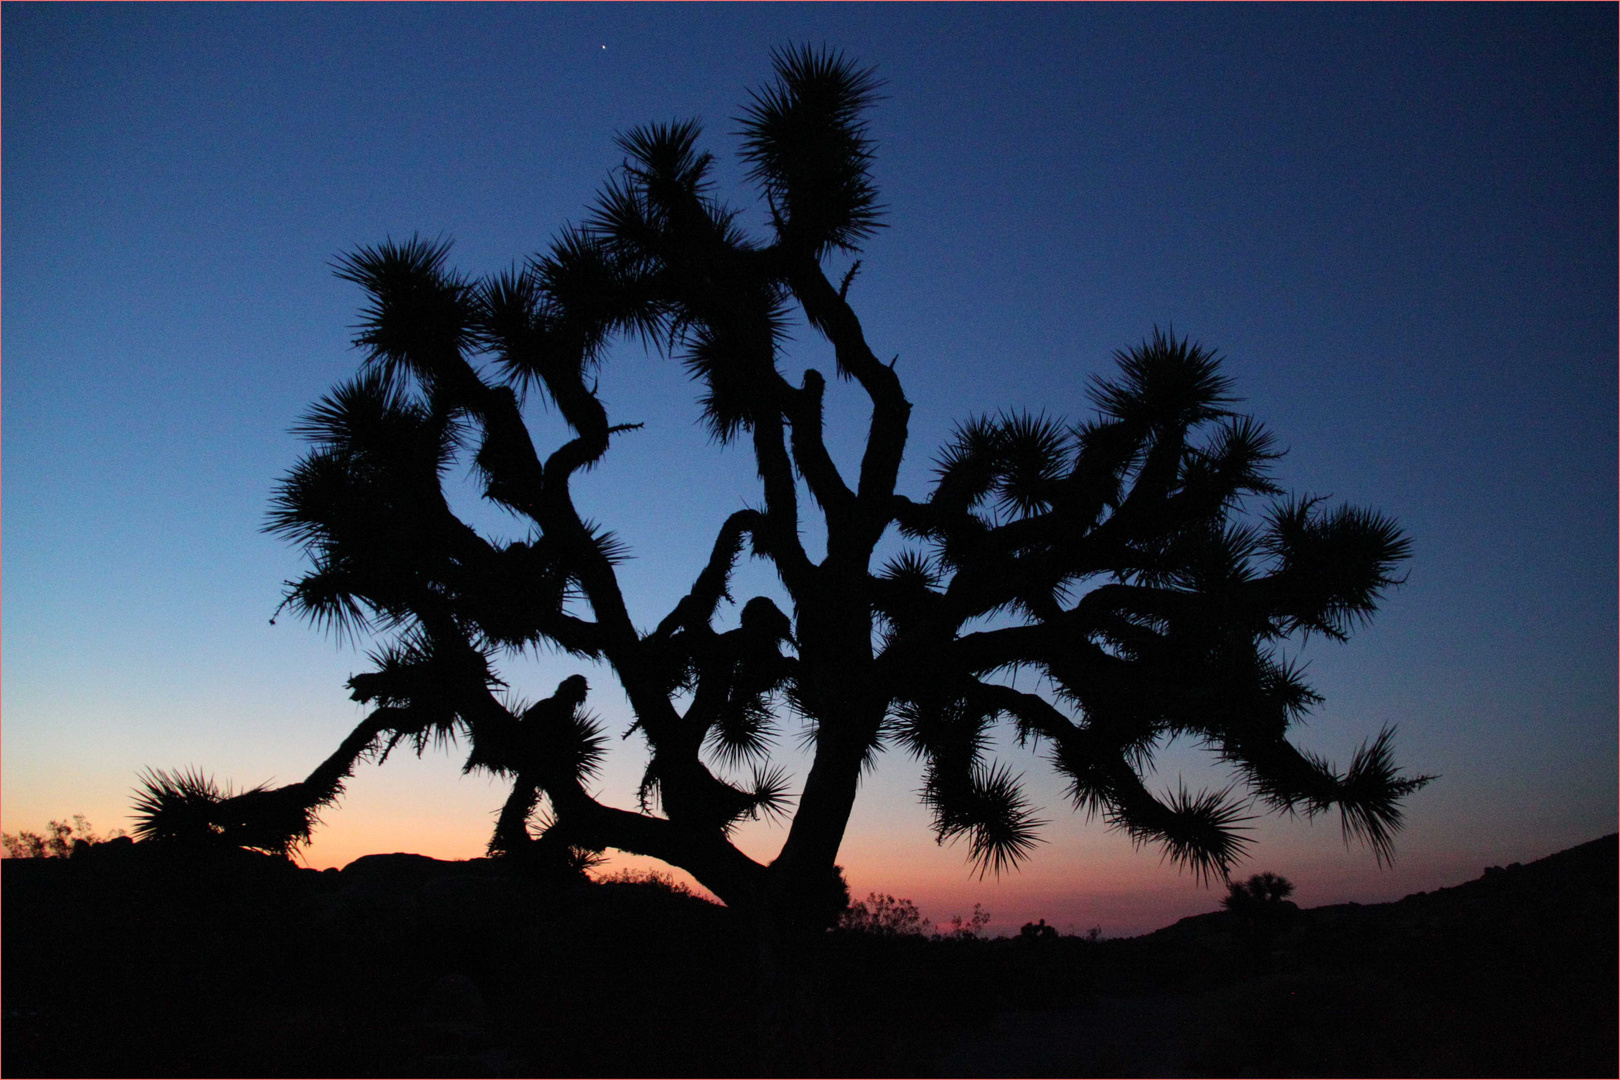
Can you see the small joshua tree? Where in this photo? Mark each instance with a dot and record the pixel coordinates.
(1260, 906)
(1142, 561)
(1261, 890)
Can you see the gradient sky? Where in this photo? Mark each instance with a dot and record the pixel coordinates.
(1398, 223)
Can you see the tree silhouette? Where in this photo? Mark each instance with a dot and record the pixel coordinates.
(1261, 907)
(881, 915)
(59, 840)
(1261, 890)
(1115, 554)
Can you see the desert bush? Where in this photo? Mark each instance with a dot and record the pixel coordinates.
(970, 928)
(56, 842)
(653, 879)
(881, 915)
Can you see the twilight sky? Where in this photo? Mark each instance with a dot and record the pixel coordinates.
(1398, 223)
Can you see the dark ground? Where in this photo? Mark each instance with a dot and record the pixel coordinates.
(130, 962)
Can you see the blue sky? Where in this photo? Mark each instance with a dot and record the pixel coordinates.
(1398, 223)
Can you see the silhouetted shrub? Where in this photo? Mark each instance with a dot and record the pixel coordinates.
(57, 842)
(970, 928)
(648, 879)
(883, 916)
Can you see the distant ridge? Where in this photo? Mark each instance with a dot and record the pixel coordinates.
(1510, 974)
(1594, 865)
(155, 963)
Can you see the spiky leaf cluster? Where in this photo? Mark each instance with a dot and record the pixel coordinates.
(188, 808)
(1118, 561)
(807, 147)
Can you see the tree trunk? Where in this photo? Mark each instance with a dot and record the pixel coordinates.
(794, 1036)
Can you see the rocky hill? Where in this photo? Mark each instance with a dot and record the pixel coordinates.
(128, 960)
(1511, 974)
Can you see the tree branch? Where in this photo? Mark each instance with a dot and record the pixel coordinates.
(781, 519)
(713, 860)
(804, 412)
(713, 582)
(886, 437)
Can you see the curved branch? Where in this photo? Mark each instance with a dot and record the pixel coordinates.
(781, 519)
(804, 412)
(324, 784)
(1053, 642)
(1368, 794)
(710, 857)
(891, 412)
(1033, 713)
(713, 582)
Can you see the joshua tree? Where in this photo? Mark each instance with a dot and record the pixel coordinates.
(1261, 907)
(1260, 891)
(1117, 552)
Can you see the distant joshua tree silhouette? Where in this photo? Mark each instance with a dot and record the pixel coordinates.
(1261, 890)
(1115, 552)
(1262, 909)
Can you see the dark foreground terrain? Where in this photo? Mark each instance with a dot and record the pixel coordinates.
(130, 962)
